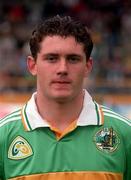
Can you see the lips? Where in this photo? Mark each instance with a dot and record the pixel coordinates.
(61, 83)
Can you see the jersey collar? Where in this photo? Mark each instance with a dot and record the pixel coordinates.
(91, 114)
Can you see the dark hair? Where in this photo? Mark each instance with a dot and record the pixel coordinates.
(62, 26)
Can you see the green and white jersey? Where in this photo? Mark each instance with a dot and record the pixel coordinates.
(99, 147)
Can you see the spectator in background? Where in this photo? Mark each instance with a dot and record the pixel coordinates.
(109, 21)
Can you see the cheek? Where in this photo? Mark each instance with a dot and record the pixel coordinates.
(83, 72)
(79, 75)
(43, 75)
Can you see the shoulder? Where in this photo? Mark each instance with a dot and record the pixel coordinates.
(112, 115)
(119, 124)
(12, 117)
(9, 125)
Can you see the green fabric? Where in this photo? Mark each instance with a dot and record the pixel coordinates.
(76, 151)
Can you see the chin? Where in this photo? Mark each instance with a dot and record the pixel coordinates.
(63, 97)
(62, 100)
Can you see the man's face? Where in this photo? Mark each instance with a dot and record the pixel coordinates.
(60, 67)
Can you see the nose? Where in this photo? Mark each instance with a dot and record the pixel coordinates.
(62, 67)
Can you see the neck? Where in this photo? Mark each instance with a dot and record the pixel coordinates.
(60, 114)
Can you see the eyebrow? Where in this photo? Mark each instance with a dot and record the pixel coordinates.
(57, 54)
(75, 55)
(50, 54)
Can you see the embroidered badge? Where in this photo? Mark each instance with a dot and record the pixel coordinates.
(106, 140)
(19, 149)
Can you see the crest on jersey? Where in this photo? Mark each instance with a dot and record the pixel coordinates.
(107, 140)
(19, 149)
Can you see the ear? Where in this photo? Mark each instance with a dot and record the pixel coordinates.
(89, 65)
(32, 66)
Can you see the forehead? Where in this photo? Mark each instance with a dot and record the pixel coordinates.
(59, 43)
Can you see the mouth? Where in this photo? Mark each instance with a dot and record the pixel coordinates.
(61, 83)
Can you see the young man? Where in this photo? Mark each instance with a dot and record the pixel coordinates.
(61, 133)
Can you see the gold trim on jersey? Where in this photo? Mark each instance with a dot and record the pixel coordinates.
(83, 175)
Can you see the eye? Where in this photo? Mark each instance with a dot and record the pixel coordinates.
(74, 59)
(51, 58)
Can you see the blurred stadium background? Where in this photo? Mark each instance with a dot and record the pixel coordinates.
(110, 23)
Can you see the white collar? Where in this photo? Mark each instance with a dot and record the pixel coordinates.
(91, 114)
